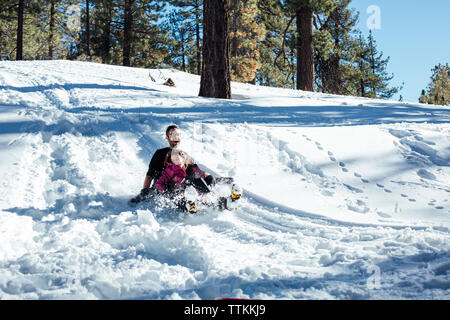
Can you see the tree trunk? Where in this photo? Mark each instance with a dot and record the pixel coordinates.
(305, 53)
(19, 47)
(183, 53)
(234, 28)
(362, 85)
(197, 35)
(372, 62)
(52, 30)
(215, 78)
(1, 39)
(106, 36)
(88, 27)
(127, 32)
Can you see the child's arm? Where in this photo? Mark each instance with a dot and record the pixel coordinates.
(161, 182)
(199, 172)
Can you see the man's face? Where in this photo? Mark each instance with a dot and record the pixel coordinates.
(174, 137)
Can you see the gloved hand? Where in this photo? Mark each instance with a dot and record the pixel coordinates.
(141, 196)
(145, 192)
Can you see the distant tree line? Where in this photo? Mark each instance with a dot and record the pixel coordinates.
(310, 45)
(438, 90)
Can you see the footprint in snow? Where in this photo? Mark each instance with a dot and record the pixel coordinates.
(357, 175)
(439, 207)
(327, 193)
(357, 190)
(330, 153)
(404, 195)
(342, 165)
(412, 200)
(319, 146)
(333, 159)
(384, 215)
(360, 206)
(387, 190)
(380, 186)
(365, 180)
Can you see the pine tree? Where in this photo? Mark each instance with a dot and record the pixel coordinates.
(182, 45)
(88, 28)
(215, 79)
(51, 32)
(423, 97)
(305, 54)
(128, 33)
(186, 26)
(24, 29)
(142, 41)
(51, 26)
(304, 12)
(278, 48)
(19, 41)
(438, 90)
(152, 45)
(245, 36)
(8, 28)
(372, 75)
(379, 81)
(332, 60)
(104, 37)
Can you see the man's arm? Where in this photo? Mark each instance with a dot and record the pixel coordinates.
(155, 167)
(147, 182)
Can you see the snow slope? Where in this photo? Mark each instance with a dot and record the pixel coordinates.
(345, 198)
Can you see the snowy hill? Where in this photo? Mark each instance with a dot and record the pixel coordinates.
(344, 197)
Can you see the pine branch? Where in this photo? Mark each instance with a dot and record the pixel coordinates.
(283, 43)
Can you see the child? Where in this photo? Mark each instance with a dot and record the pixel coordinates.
(182, 172)
(177, 175)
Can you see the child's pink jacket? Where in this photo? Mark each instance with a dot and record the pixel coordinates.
(172, 173)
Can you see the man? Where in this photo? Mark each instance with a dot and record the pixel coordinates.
(163, 156)
(159, 160)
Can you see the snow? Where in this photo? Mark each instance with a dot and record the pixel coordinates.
(344, 197)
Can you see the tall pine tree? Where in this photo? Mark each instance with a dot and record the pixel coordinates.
(215, 79)
(186, 28)
(19, 38)
(278, 48)
(370, 73)
(304, 11)
(332, 61)
(246, 34)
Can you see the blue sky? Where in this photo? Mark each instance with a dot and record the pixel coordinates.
(415, 34)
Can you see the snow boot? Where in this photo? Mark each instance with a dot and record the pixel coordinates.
(191, 207)
(236, 192)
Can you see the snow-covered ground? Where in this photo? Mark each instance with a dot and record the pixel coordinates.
(345, 198)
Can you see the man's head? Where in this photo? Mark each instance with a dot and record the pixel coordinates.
(173, 135)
